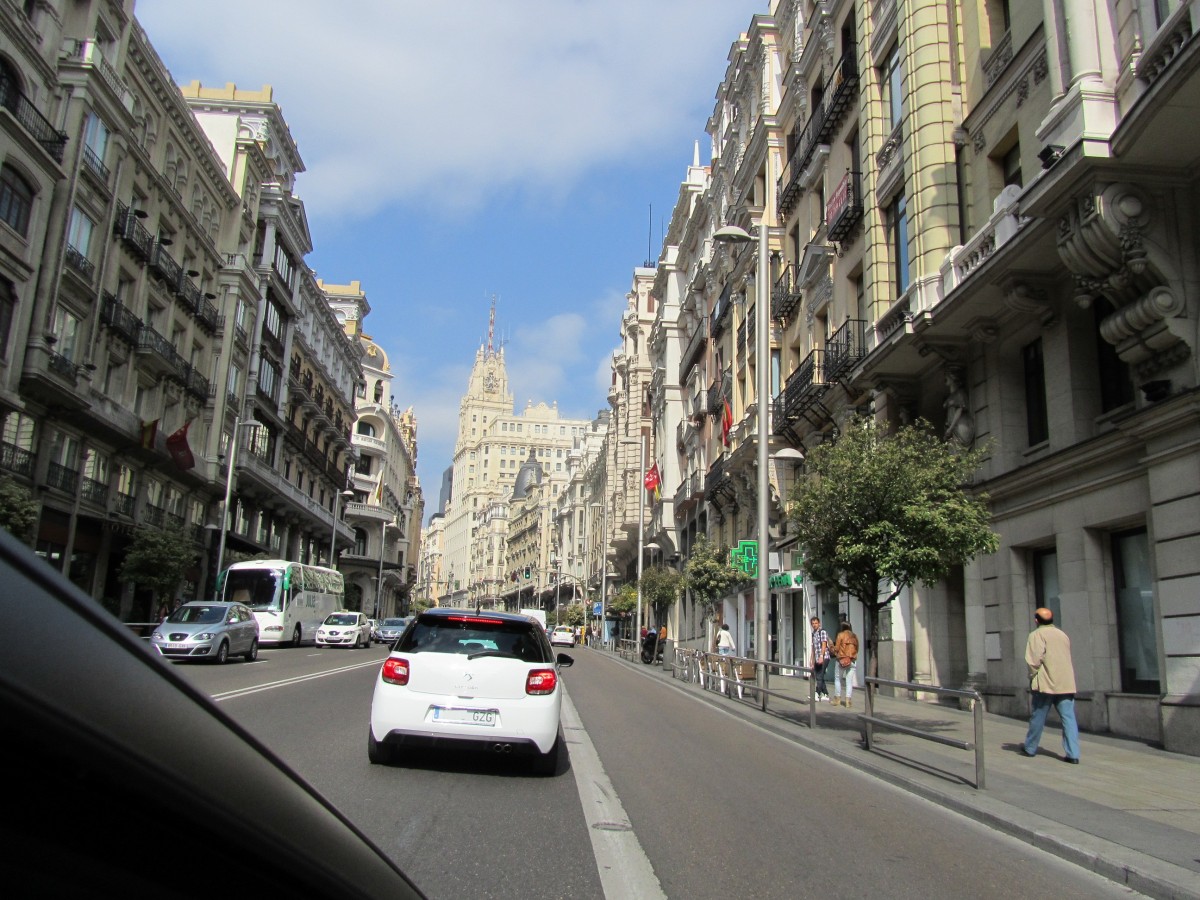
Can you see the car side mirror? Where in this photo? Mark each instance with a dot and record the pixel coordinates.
(564, 660)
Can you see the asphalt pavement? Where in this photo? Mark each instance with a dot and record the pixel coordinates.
(1129, 811)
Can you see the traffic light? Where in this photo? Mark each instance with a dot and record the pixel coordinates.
(528, 572)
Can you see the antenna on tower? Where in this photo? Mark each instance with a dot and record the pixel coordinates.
(649, 235)
(491, 327)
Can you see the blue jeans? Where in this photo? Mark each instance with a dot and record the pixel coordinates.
(1065, 704)
(819, 674)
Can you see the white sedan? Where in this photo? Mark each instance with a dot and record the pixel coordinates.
(344, 629)
(477, 681)
(563, 634)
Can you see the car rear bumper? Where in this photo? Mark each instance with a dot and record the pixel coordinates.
(403, 719)
(427, 740)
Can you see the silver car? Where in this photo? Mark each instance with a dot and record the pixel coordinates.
(390, 629)
(214, 631)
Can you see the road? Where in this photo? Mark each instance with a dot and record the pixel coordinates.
(678, 799)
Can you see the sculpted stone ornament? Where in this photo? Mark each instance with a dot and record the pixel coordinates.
(960, 424)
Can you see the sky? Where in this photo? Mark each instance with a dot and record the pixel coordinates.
(529, 151)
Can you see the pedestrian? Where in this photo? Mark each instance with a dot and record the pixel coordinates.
(164, 610)
(1051, 683)
(820, 653)
(725, 643)
(845, 655)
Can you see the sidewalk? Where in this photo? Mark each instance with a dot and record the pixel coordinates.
(1129, 812)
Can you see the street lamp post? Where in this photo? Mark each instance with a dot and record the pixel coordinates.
(238, 424)
(337, 497)
(732, 234)
(641, 442)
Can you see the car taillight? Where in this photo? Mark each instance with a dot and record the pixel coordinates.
(541, 681)
(395, 671)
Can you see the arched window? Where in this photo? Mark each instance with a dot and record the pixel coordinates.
(379, 392)
(360, 542)
(16, 199)
(366, 428)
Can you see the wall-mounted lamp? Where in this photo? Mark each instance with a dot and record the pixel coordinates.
(141, 214)
(164, 240)
(210, 296)
(192, 273)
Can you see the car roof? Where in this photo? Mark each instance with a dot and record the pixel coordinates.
(88, 748)
(443, 611)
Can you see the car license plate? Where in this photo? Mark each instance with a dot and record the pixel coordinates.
(461, 716)
(174, 646)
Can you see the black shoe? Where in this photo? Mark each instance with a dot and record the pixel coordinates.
(1029, 755)
(1073, 760)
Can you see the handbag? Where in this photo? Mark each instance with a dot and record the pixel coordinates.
(845, 661)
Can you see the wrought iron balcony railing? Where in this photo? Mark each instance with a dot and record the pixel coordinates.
(38, 126)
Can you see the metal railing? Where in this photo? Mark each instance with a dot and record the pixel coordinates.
(871, 721)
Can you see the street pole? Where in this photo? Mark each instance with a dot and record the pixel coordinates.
(233, 448)
(604, 579)
(379, 584)
(732, 234)
(333, 529)
(641, 529)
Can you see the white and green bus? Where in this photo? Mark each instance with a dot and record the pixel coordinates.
(290, 600)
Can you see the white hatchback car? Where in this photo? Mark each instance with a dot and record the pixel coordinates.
(344, 629)
(485, 681)
(563, 634)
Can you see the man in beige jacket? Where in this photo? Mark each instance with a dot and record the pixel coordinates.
(1051, 683)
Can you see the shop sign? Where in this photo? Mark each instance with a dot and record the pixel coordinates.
(786, 581)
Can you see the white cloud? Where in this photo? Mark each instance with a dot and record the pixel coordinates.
(418, 100)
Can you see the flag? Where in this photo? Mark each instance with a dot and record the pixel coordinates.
(177, 446)
(726, 422)
(377, 494)
(149, 433)
(653, 481)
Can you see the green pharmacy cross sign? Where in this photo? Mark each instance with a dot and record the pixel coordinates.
(744, 558)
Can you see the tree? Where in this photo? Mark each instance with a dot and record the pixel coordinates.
(158, 560)
(18, 509)
(881, 511)
(624, 601)
(574, 614)
(708, 575)
(660, 588)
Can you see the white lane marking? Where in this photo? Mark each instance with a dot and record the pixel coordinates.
(270, 685)
(624, 869)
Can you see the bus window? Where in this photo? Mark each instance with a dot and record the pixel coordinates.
(257, 588)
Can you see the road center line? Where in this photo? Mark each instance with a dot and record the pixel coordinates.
(624, 869)
(271, 685)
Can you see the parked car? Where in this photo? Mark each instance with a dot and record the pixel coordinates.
(210, 631)
(114, 734)
(563, 634)
(390, 629)
(478, 681)
(344, 629)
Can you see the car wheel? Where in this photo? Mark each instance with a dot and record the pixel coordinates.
(252, 653)
(222, 653)
(297, 636)
(378, 752)
(546, 764)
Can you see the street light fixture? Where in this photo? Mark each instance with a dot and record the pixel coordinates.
(732, 234)
(238, 424)
(347, 494)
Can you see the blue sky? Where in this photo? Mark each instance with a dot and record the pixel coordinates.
(454, 152)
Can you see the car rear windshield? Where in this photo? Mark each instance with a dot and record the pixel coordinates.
(468, 634)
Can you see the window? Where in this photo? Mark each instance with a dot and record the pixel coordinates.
(1137, 644)
(95, 143)
(893, 88)
(66, 329)
(897, 226)
(1036, 420)
(79, 233)
(8, 304)
(1010, 165)
(1116, 382)
(268, 379)
(1045, 582)
(16, 200)
(366, 428)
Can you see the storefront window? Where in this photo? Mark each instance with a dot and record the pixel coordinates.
(1136, 633)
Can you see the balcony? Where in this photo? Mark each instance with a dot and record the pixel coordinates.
(695, 344)
(51, 378)
(717, 481)
(785, 293)
(16, 459)
(845, 348)
(720, 313)
(844, 209)
(60, 477)
(124, 504)
(38, 126)
(157, 353)
(94, 491)
(88, 52)
(78, 263)
(371, 443)
(93, 163)
(189, 295)
(119, 320)
(369, 511)
(162, 265)
(804, 388)
(132, 233)
(155, 515)
(195, 383)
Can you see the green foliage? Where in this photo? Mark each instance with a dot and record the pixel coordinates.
(624, 601)
(660, 587)
(18, 510)
(878, 507)
(575, 614)
(708, 575)
(418, 605)
(158, 560)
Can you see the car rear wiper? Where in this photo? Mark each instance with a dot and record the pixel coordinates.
(492, 653)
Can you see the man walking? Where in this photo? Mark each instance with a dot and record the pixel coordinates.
(1052, 683)
(820, 647)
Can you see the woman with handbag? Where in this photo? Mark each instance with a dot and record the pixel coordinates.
(845, 654)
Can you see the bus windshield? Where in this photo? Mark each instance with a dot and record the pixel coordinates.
(259, 589)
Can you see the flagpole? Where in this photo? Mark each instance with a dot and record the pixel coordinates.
(233, 447)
